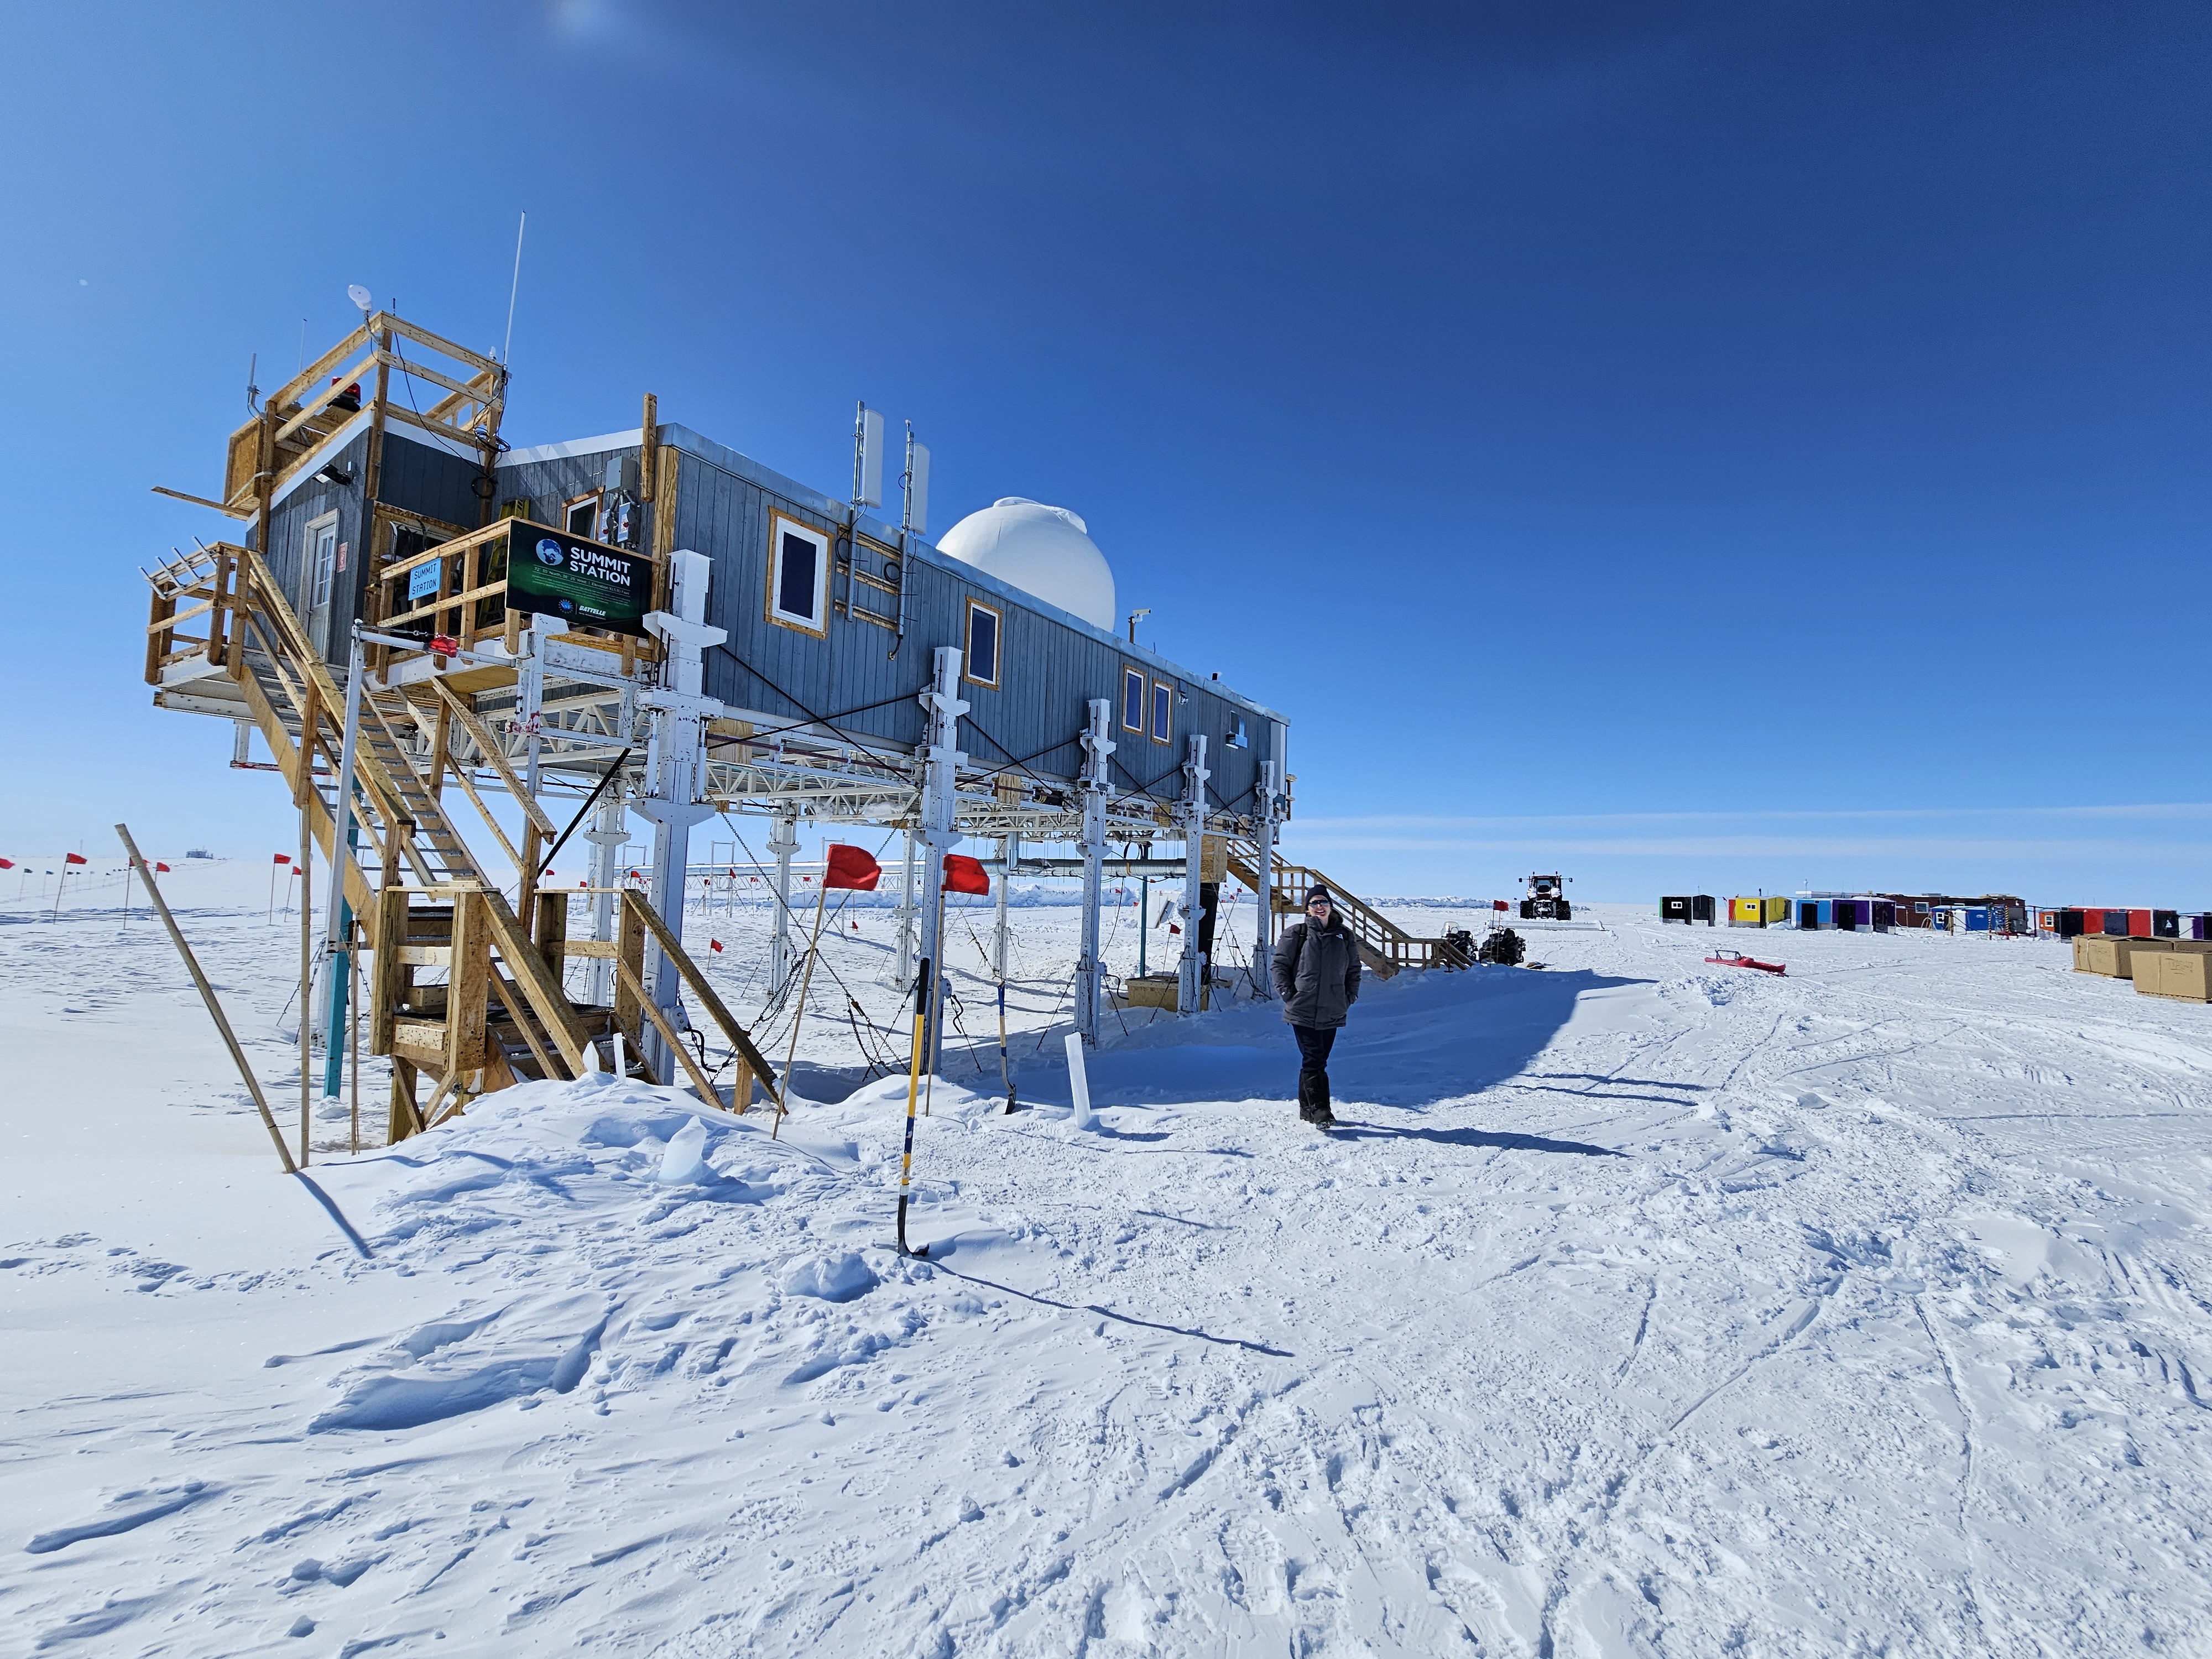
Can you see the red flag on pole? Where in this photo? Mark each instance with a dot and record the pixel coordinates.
(1500, 904)
(965, 875)
(7, 864)
(75, 858)
(284, 858)
(715, 942)
(163, 868)
(849, 866)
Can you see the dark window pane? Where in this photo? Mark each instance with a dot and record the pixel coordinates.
(1132, 700)
(982, 644)
(1161, 707)
(795, 582)
(580, 518)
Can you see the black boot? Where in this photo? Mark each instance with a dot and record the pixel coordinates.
(1305, 1097)
(1319, 1115)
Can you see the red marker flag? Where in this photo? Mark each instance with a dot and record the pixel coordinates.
(715, 942)
(7, 864)
(75, 858)
(965, 875)
(1500, 904)
(284, 858)
(163, 868)
(849, 866)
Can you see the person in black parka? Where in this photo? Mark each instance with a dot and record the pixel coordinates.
(1317, 978)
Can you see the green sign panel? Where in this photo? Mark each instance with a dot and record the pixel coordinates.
(583, 583)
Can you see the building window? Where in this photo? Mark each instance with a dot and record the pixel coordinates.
(798, 577)
(1132, 700)
(1237, 739)
(984, 623)
(581, 516)
(1163, 711)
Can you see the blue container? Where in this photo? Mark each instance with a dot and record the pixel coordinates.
(1977, 919)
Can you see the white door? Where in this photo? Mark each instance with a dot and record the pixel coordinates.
(322, 563)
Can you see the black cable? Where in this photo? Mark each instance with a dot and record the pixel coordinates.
(812, 718)
(778, 731)
(613, 772)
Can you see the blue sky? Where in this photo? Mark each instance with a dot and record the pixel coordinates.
(1693, 447)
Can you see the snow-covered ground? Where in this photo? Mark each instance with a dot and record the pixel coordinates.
(1644, 1306)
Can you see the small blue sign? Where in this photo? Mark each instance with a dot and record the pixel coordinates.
(423, 580)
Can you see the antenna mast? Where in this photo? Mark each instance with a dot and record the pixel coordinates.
(506, 351)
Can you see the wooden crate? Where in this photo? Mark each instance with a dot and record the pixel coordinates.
(2181, 975)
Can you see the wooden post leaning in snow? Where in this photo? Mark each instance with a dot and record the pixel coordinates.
(208, 996)
(310, 736)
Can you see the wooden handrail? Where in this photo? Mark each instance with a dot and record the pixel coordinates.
(687, 971)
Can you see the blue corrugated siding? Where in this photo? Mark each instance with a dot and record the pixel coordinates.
(1051, 665)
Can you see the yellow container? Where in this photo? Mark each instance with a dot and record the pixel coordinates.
(1776, 910)
(1747, 913)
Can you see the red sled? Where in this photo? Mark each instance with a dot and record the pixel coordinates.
(1736, 959)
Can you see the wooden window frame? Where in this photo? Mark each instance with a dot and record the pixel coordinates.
(597, 499)
(1129, 672)
(822, 541)
(998, 645)
(1159, 689)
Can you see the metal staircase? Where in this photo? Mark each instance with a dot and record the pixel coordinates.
(1384, 947)
(493, 1010)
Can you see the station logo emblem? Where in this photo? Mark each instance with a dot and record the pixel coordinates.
(549, 551)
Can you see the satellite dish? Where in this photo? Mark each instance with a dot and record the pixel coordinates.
(359, 295)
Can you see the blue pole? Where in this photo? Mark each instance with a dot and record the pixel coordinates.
(341, 974)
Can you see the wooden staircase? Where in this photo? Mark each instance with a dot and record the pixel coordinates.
(1384, 947)
(462, 996)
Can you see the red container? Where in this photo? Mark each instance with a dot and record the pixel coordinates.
(2138, 924)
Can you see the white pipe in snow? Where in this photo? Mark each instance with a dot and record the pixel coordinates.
(1078, 1081)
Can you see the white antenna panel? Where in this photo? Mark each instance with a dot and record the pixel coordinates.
(868, 464)
(917, 487)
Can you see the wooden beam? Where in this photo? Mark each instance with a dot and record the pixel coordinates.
(392, 359)
(461, 777)
(700, 1080)
(497, 758)
(227, 511)
(687, 971)
(469, 987)
(436, 342)
(322, 399)
(293, 389)
(538, 983)
(517, 1012)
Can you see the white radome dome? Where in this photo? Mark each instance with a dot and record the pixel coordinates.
(1044, 551)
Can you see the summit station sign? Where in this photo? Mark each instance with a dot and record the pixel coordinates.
(584, 583)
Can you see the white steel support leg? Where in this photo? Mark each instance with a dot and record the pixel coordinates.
(675, 767)
(902, 958)
(782, 842)
(941, 758)
(1009, 851)
(1263, 941)
(607, 834)
(1190, 971)
(1097, 789)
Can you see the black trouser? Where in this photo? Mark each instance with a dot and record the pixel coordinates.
(1314, 1043)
